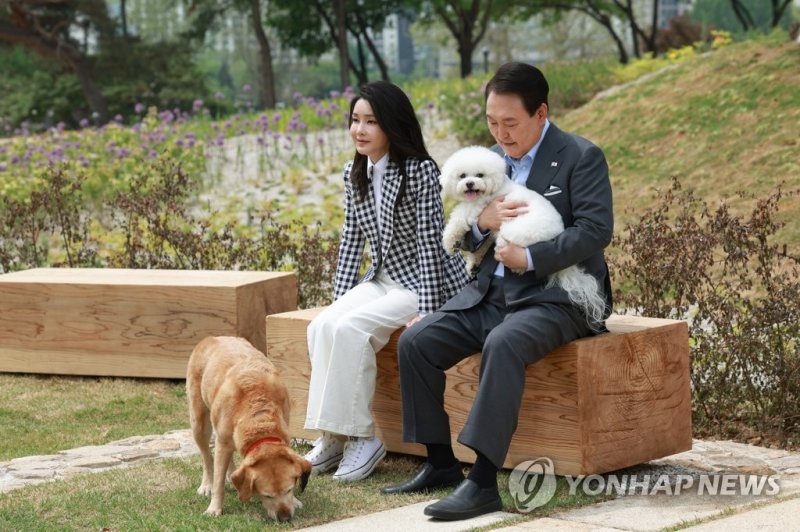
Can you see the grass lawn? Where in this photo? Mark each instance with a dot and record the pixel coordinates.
(44, 414)
(160, 495)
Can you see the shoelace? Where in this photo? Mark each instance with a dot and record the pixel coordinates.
(323, 446)
(351, 459)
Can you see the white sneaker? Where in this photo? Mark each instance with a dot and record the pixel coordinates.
(327, 453)
(360, 458)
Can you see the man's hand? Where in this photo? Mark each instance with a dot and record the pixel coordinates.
(498, 211)
(513, 257)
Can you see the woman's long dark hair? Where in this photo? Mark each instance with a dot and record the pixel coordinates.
(395, 116)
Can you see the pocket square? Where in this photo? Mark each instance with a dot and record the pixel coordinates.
(552, 190)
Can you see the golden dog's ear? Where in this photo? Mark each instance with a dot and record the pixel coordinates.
(305, 468)
(243, 481)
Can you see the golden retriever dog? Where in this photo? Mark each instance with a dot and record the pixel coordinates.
(234, 389)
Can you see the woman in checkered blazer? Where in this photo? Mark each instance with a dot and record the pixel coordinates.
(392, 202)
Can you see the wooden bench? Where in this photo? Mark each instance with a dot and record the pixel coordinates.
(135, 323)
(592, 406)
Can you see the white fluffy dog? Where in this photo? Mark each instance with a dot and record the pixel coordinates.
(474, 176)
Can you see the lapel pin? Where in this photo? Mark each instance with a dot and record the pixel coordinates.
(554, 163)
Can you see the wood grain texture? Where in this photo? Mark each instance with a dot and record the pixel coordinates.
(592, 406)
(135, 323)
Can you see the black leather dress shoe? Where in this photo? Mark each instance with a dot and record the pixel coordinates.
(428, 478)
(467, 501)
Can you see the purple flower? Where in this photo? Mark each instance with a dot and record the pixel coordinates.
(84, 123)
(118, 119)
(138, 108)
(197, 105)
(335, 94)
(2, 167)
(218, 95)
(247, 88)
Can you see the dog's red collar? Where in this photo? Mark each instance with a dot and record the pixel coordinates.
(269, 439)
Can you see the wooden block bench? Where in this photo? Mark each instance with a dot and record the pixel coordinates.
(134, 323)
(592, 406)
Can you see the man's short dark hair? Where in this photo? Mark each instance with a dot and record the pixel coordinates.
(526, 81)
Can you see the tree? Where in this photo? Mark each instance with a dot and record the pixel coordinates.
(206, 14)
(326, 25)
(742, 15)
(604, 12)
(265, 54)
(607, 13)
(467, 21)
(47, 28)
(340, 36)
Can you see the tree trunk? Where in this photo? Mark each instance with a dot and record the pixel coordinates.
(341, 34)
(362, 76)
(465, 50)
(744, 16)
(778, 9)
(650, 40)
(123, 12)
(265, 55)
(91, 92)
(68, 55)
(372, 48)
(465, 44)
(606, 22)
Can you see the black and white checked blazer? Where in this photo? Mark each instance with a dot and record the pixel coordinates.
(408, 245)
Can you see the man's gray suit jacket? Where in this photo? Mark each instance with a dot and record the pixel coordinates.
(572, 174)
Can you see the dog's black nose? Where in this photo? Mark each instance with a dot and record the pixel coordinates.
(283, 517)
(470, 185)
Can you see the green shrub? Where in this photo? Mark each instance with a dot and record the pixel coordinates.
(740, 292)
(154, 223)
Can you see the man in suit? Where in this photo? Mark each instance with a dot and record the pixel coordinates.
(514, 320)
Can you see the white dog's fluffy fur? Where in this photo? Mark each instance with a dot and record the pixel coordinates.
(474, 176)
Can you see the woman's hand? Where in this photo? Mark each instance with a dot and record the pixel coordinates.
(414, 320)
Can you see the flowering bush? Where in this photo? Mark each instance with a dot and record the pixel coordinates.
(720, 38)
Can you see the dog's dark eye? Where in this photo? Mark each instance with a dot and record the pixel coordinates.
(462, 176)
(480, 175)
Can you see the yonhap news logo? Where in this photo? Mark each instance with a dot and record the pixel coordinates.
(533, 483)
